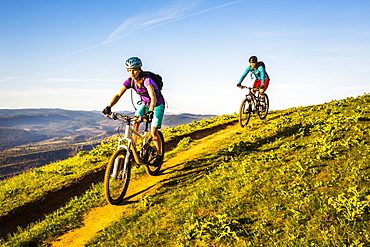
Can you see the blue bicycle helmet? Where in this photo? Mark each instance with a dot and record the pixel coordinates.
(133, 62)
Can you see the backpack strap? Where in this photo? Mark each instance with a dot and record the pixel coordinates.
(139, 93)
(132, 89)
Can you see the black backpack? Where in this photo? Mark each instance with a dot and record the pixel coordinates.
(261, 63)
(155, 77)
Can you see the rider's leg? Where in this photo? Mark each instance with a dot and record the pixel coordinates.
(156, 124)
(265, 86)
(139, 112)
(136, 128)
(262, 94)
(256, 83)
(156, 140)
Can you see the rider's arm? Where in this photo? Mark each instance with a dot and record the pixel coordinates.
(153, 98)
(117, 96)
(262, 73)
(244, 75)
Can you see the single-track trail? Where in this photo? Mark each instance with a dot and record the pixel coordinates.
(99, 218)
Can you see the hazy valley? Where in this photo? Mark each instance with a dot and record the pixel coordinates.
(35, 137)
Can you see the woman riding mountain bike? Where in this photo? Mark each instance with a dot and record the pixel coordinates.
(153, 102)
(262, 79)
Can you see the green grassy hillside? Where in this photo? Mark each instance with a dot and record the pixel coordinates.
(298, 178)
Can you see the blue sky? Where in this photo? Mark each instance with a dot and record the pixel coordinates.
(70, 54)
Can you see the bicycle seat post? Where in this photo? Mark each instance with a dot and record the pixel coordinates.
(146, 125)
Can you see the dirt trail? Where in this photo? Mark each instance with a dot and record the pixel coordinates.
(99, 218)
(36, 210)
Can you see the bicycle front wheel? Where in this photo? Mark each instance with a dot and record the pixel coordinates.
(263, 107)
(245, 112)
(152, 167)
(117, 176)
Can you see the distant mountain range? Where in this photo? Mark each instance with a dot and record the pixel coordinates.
(24, 126)
(35, 137)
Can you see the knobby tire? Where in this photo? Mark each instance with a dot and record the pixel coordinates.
(262, 112)
(115, 185)
(150, 153)
(244, 112)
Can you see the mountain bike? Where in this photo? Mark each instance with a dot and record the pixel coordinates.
(253, 103)
(118, 171)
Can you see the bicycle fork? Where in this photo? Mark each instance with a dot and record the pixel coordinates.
(250, 101)
(120, 165)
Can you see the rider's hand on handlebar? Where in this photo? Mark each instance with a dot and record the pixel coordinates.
(239, 85)
(107, 110)
(150, 115)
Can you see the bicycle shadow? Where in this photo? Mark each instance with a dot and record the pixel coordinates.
(126, 201)
(167, 182)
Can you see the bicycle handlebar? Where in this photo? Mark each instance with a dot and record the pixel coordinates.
(250, 88)
(117, 116)
(127, 119)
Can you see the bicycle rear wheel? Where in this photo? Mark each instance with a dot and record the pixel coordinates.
(150, 154)
(263, 107)
(245, 112)
(117, 177)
